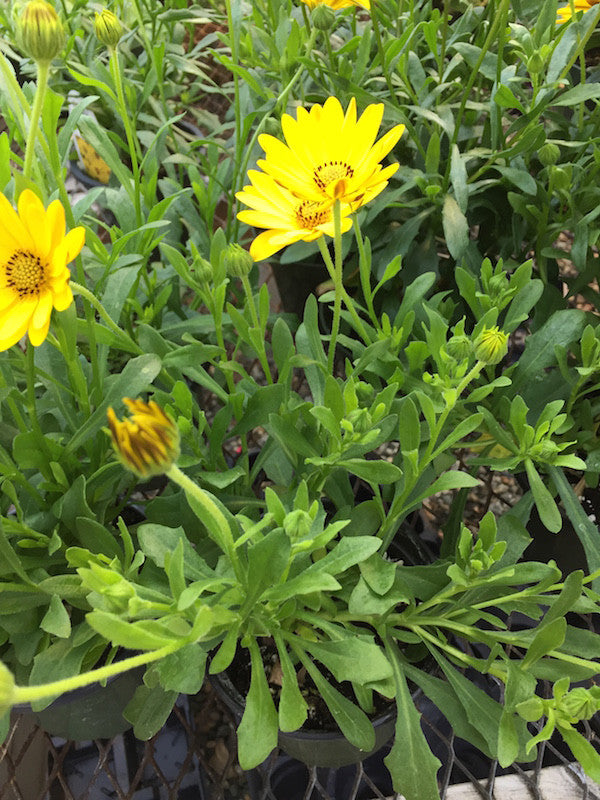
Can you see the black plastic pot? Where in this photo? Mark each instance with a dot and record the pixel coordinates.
(93, 712)
(313, 748)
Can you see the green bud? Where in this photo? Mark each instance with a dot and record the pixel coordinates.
(323, 17)
(548, 154)
(201, 268)
(108, 28)
(7, 689)
(561, 178)
(238, 262)
(459, 347)
(40, 32)
(579, 704)
(491, 345)
(297, 524)
(535, 64)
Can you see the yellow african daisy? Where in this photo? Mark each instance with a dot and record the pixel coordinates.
(564, 14)
(287, 218)
(34, 277)
(338, 5)
(147, 443)
(331, 154)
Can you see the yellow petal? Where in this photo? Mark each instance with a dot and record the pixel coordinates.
(33, 214)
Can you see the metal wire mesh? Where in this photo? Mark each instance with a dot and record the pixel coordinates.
(193, 757)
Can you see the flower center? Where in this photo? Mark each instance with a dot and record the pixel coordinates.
(332, 172)
(25, 273)
(310, 214)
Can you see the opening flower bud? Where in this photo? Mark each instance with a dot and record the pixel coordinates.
(491, 345)
(108, 28)
(40, 32)
(238, 262)
(147, 443)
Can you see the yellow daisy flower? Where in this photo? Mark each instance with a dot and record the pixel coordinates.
(34, 277)
(287, 218)
(331, 154)
(147, 443)
(338, 5)
(564, 14)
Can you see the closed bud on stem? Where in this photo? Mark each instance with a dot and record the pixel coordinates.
(201, 269)
(323, 18)
(535, 64)
(108, 28)
(40, 32)
(238, 262)
(491, 345)
(548, 154)
(459, 347)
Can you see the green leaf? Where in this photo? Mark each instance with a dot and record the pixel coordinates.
(183, 670)
(353, 723)
(56, 620)
(158, 540)
(584, 752)
(136, 377)
(142, 635)
(267, 559)
(293, 708)
(456, 227)
(305, 583)
(548, 637)
(411, 763)
(257, 732)
(375, 471)
(586, 530)
(345, 554)
(351, 659)
(148, 710)
(547, 508)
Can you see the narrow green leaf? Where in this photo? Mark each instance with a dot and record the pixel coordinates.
(411, 763)
(257, 732)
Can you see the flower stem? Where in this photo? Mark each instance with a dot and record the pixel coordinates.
(103, 313)
(115, 69)
(28, 694)
(207, 510)
(36, 111)
(262, 354)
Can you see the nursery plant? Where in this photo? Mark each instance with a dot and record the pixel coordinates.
(191, 479)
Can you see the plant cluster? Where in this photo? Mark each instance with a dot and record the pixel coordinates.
(262, 484)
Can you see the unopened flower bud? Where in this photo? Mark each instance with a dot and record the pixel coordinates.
(491, 345)
(201, 269)
(535, 64)
(108, 28)
(459, 347)
(561, 178)
(40, 32)
(323, 18)
(579, 704)
(238, 262)
(297, 524)
(548, 154)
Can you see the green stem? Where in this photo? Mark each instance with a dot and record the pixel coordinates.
(498, 21)
(115, 69)
(34, 121)
(338, 281)
(380, 50)
(29, 694)
(205, 507)
(261, 353)
(104, 315)
(280, 103)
